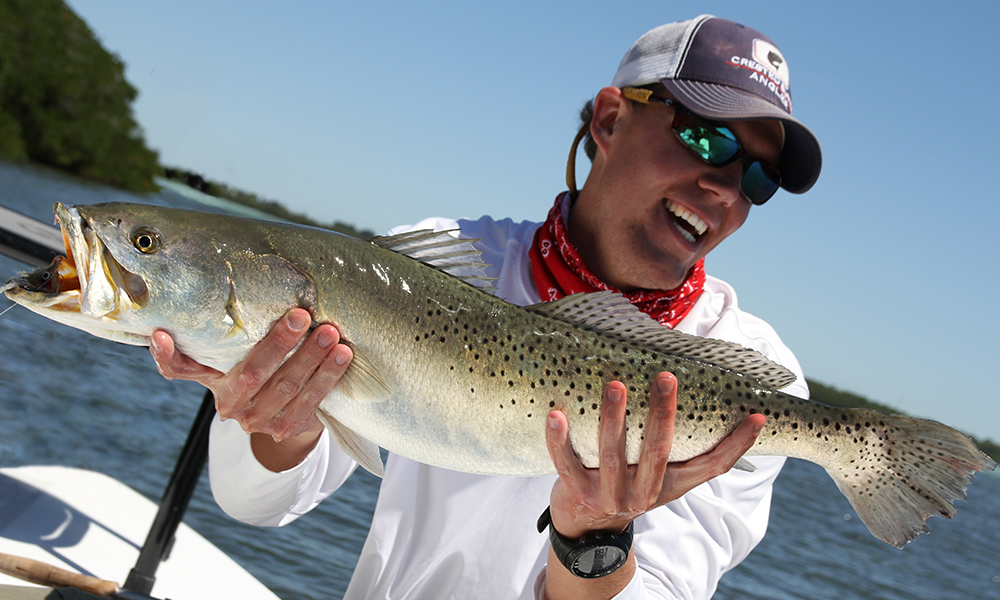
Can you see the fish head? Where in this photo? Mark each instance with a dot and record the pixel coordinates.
(131, 269)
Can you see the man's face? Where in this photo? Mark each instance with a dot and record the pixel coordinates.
(654, 208)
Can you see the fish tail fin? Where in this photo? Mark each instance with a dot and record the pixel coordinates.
(907, 470)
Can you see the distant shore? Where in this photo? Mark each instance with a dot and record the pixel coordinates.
(214, 189)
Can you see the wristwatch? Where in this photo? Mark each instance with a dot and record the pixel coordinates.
(596, 554)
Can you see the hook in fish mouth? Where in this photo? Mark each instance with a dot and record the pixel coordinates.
(88, 279)
(45, 280)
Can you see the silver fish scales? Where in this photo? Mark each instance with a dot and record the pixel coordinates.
(447, 374)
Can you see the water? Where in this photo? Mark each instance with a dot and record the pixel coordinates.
(72, 399)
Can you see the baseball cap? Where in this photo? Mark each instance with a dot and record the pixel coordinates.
(722, 70)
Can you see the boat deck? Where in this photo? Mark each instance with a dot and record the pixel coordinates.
(20, 592)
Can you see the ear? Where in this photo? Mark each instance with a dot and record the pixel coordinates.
(609, 107)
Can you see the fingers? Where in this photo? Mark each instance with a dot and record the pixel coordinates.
(617, 492)
(560, 451)
(573, 492)
(686, 476)
(246, 379)
(613, 469)
(286, 404)
(265, 393)
(741, 440)
(282, 382)
(174, 365)
(658, 440)
(323, 379)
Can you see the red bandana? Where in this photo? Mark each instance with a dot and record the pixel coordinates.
(559, 271)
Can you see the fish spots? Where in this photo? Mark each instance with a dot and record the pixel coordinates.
(521, 368)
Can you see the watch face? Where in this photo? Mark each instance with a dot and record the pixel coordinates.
(598, 561)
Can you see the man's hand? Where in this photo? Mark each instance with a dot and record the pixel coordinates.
(610, 497)
(275, 402)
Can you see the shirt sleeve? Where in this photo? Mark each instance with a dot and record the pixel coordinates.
(685, 550)
(249, 492)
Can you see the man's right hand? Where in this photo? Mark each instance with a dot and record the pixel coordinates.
(274, 402)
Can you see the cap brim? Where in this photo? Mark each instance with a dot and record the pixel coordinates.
(801, 158)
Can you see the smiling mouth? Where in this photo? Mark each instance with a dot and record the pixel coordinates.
(687, 223)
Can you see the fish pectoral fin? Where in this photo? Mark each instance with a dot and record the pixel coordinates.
(363, 451)
(363, 381)
(745, 465)
(233, 313)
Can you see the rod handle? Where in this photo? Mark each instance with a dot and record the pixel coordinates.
(35, 571)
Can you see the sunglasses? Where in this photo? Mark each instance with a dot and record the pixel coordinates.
(716, 144)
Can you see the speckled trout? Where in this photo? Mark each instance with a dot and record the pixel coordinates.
(448, 374)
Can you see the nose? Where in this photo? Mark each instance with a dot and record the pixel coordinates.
(723, 183)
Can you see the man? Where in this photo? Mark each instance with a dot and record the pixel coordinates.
(695, 128)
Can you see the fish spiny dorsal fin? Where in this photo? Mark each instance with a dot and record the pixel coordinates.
(612, 314)
(443, 251)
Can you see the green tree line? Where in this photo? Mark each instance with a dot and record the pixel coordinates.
(65, 103)
(64, 100)
(271, 207)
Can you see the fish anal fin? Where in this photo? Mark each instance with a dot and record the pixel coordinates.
(363, 451)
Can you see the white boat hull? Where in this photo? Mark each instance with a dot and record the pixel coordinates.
(89, 523)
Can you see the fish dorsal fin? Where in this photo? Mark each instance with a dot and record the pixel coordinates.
(443, 251)
(612, 314)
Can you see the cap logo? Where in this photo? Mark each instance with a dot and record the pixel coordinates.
(767, 53)
(767, 67)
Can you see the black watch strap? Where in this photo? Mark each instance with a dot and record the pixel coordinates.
(596, 554)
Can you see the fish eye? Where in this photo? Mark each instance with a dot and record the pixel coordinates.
(146, 240)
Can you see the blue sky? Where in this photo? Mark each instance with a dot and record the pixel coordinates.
(882, 279)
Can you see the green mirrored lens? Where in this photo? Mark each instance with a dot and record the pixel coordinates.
(715, 145)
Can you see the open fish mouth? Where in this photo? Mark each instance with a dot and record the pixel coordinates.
(88, 280)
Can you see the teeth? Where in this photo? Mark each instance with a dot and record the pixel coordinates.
(693, 220)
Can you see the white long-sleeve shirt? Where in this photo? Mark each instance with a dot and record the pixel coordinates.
(442, 534)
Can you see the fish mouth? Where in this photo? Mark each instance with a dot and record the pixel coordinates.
(88, 280)
(690, 225)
